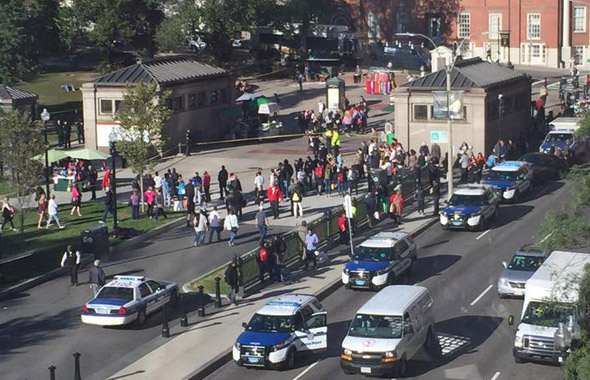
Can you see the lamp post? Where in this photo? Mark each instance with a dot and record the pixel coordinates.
(113, 146)
(449, 70)
(45, 116)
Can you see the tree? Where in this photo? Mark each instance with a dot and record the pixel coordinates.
(143, 115)
(22, 140)
(174, 32)
(577, 365)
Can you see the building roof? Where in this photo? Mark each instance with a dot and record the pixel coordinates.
(10, 94)
(467, 74)
(162, 71)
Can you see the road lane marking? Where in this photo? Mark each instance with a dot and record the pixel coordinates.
(482, 235)
(481, 295)
(496, 375)
(306, 370)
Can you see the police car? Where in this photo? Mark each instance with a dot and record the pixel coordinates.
(286, 326)
(561, 136)
(510, 179)
(470, 207)
(128, 299)
(379, 260)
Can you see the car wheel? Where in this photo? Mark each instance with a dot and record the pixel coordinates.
(239, 363)
(289, 361)
(518, 360)
(347, 371)
(516, 196)
(141, 318)
(482, 224)
(429, 342)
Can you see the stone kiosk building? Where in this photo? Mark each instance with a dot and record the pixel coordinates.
(482, 125)
(199, 93)
(14, 99)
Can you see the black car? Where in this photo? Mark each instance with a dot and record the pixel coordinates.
(545, 167)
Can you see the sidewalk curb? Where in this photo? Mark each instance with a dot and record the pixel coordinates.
(31, 283)
(226, 356)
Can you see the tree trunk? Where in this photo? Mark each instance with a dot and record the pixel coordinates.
(141, 191)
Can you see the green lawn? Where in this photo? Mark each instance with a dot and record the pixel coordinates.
(50, 243)
(208, 283)
(48, 86)
(5, 187)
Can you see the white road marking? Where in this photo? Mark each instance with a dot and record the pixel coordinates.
(482, 235)
(306, 370)
(537, 82)
(481, 295)
(496, 375)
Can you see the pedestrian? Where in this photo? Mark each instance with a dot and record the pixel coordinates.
(340, 180)
(67, 135)
(201, 228)
(419, 195)
(343, 229)
(464, 163)
(80, 130)
(134, 203)
(222, 177)
(214, 225)
(296, 195)
(109, 204)
(92, 178)
(71, 260)
(159, 202)
(189, 194)
(232, 277)
(207, 186)
(259, 186)
(261, 223)
(319, 177)
(263, 259)
(435, 192)
(41, 207)
(279, 247)
(60, 132)
(311, 242)
(274, 195)
(52, 212)
(7, 214)
(76, 200)
(150, 199)
(231, 225)
(96, 277)
(300, 81)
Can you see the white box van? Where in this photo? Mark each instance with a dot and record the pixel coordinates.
(388, 330)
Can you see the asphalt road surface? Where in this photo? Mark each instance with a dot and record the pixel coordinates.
(461, 270)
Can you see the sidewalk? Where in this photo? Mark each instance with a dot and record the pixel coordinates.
(208, 340)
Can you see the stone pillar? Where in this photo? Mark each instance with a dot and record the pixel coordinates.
(566, 50)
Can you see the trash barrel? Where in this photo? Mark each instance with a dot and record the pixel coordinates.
(95, 240)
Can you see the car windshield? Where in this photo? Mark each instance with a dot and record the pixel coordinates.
(496, 175)
(376, 326)
(373, 254)
(558, 137)
(548, 315)
(525, 263)
(467, 200)
(270, 323)
(534, 159)
(116, 293)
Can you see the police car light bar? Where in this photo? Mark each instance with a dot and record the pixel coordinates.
(282, 304)
(130, 278)
(514, 164)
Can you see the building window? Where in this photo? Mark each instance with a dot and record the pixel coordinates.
(223, 96)
(106, 106)
(434, 26)
(533, 26)
(495, 26)
(118, 104)
(214, 98)
(402, 22)
(579, 19)
(578, 54)
(200, 100)
(464, 26)
(176, 104)
(420, 112)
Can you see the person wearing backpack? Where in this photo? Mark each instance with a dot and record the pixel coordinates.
(232, 278)
(296, 193)
(319, 177)
(279, 249)
(263, 259)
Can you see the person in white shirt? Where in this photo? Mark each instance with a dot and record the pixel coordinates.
(214, 225)
(231, 225)
(321, 107)
(52, 212)
(259, 181)
(71, 259)
(157, 181)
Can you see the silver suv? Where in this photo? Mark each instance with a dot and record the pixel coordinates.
(519, 269)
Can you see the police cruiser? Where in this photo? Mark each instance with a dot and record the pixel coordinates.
(128, 299)
(510, 179)
(379, 260)
(561, 136)
(470, 207)
(288, 325)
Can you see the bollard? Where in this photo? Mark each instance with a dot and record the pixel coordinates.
(52, 372)
(201, 310)
(179, 149)
(183, 316)
(217, 292)
(165, 328)
(77, 375)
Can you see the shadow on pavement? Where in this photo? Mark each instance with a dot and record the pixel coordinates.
(431, 266)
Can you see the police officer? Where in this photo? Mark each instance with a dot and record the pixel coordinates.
(71, 260)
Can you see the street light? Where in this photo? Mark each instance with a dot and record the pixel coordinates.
(113, 146)
(448, 69)
(45, 116)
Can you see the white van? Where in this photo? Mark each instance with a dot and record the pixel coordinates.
(388, 330)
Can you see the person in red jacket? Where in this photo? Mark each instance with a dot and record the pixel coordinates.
(275, 195)
(343, 229)
(106, 179)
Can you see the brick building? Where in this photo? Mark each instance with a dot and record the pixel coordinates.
(551, 33)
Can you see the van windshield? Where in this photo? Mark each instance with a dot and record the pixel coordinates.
(559, 137)
(548, 315)
(373, 254)
(376, 326)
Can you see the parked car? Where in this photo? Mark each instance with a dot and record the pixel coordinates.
(545, 167)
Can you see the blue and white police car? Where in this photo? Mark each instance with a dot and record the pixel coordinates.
(284, 327)
(470, 207)
(379, 260)
(510, 179)
(128, 299)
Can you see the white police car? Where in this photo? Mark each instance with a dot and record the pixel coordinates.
(510, 179)
(470, 207)
(127, 299)
(286, 326)
(379, 260)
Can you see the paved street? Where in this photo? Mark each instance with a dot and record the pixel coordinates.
(457, 267)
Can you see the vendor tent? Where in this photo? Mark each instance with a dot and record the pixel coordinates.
(53, 154)
(248, 96)
(88, 154)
